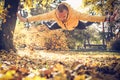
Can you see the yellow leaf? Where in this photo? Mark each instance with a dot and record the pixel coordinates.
(60, 76)
(27, 78)
(44, 2)
(9, 75)
(57, 78)
(38, 78)
(34, 78)
(0, 65)
(79, 77)
(59, 67)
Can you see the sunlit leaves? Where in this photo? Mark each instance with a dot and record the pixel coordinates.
(34, 78)
(1, 5)
(60, 76)
(50, 1)
(32, 3)
(28, 3)
(58, 67)
(44, 2)
(90, 66)
(1, 9)
(99, 6)
(8, 75)
(79, 77)
(55, 39)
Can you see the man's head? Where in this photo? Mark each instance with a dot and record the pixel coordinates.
(62, 12)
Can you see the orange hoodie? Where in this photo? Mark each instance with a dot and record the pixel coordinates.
(73, 18)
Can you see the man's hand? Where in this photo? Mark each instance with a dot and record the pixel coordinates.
(22, 19)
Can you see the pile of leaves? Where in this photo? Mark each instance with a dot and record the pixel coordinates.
(16, 67)
(40, 37)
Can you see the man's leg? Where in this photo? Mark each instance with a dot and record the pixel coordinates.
(82, 25)
(52, 26)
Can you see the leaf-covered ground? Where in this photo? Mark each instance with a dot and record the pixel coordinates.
(59, 65)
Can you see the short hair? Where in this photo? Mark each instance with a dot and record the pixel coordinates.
(62, 7)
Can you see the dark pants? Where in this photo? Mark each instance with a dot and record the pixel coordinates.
(53, 26)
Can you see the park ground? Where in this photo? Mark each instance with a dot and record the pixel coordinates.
(59, 65)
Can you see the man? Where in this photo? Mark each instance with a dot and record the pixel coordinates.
(24, 14)
(54, 25)
(66, 17)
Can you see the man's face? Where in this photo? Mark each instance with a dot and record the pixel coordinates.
(62, 15)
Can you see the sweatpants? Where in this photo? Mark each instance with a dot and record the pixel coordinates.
(54, 25)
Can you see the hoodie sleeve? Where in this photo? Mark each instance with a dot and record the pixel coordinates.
(44, 16)
(91, 18)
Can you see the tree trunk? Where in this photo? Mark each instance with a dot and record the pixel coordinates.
(6, 34)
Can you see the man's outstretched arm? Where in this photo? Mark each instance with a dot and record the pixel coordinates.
(22, 19)
(92, 18)
(45, 16)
